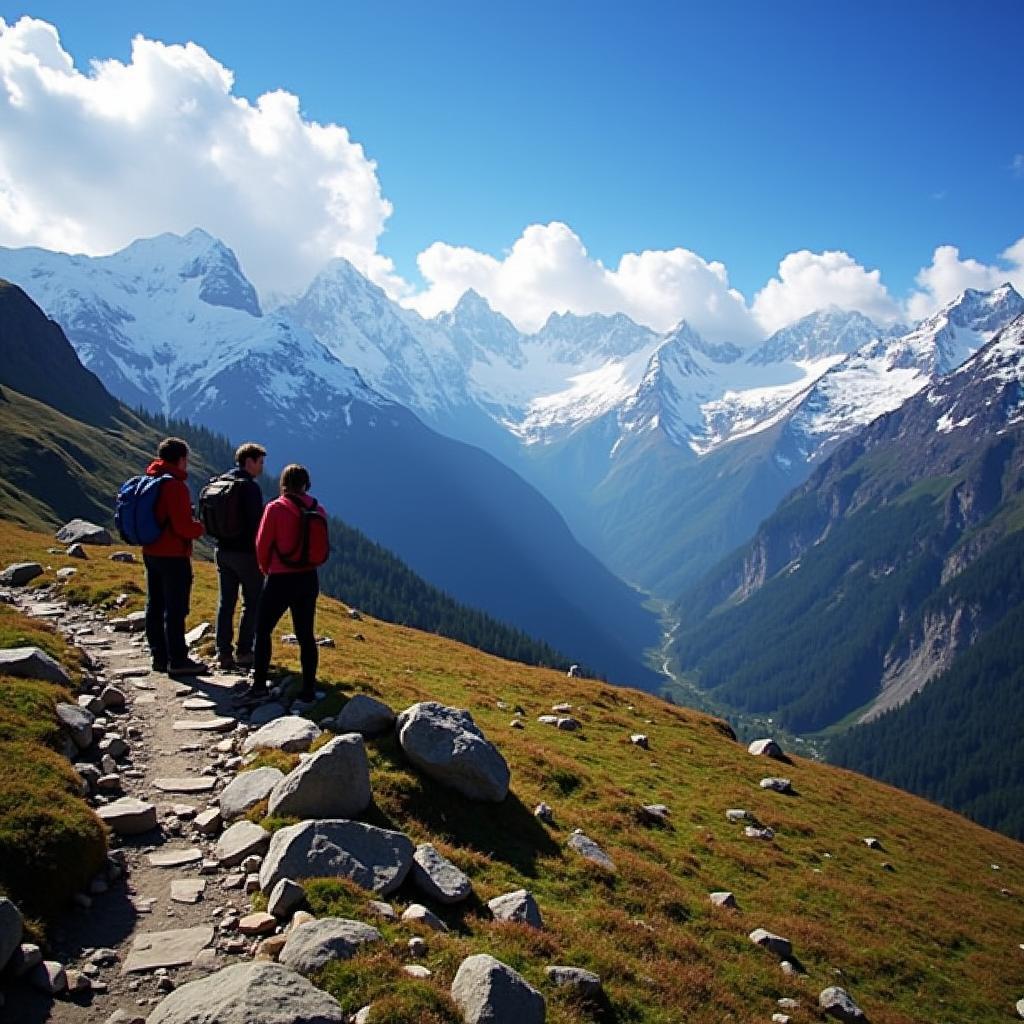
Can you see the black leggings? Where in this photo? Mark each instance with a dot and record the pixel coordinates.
(297, 592)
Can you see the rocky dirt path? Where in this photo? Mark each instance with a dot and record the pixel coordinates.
(131, 939)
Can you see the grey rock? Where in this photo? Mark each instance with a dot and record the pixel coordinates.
(437, 877)
(81, 531)
(25, 957)
(122, 556)
(220, 723)
(365, 715)
(375, 858)
(333, 783)
(446, 745)
(724, 899)
(187, 890)
(314, 945)
(113, 745)
(66, 573)
(543, 812)
(113, 697)
(778, 785)
(417, 947)
(11, 930)
(173, 948)
(246, 790)
(872, 843)
(239, 841)
(516, 906)
(776, 944)
(196, 784)
(209, 821)
(78, 722)
(381, 909)
(736, 814)
(175, 858)
(76, 551)
(759, 832)
(1020, 1007)
(20, 573)
(285, 897)
(586, 983)
(836, 1002)
(655, 814)
(49, 977)
(587, 848)
(199, 633)
(639, 739)
(32, 663)
(128, 816)
(416, 913)
(765, 748)
(292, 735)
(250, 993)
(490, 992)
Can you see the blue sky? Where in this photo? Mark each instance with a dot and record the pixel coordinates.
(740, 131)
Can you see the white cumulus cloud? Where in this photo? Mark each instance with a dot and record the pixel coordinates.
(548, 269)
(948, 275)
(91, 161)
(809, 281)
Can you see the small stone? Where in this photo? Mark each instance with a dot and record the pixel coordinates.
(544, 813)
(836, 1002)
(639, 739)
(755, 832)
(257, 924)
(270, 948)
(736, 814)
(417, 947)
(516, 906)
(209, 821)
(773, 943)
(416, 913)
(49, 977)
(417, 971)
(588, 849)
(122, 556)
(766, 748)
(381, 909)
(239, 841)
(584, 982)
(872, 843)
(285, 897)
(724, 899)
(778, 785)
(75, 551)
(187, 890)
(252, 884)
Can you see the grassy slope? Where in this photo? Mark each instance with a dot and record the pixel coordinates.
(51, 843)
(932, 941)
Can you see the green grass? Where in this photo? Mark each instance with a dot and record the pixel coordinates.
(51, 843)
(933, 941)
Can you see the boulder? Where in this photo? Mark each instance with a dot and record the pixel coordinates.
(375, 858)
(487, 991)
(19, 573)
(246, 790)
(446, 745)
(81, 531)
(585, 983)
(32, 663)
(332, 783)
(293, 735)
(365, 715)
(286, 897)
(724, 899)
(516, 906)
(128, 816)
(314, 945)
(437, 877)
(776, 944)
(240, 841)
(777, 785)
(247, 993)
(836, 1002)
(766, 748)
(78, 723)
(76, 551)
(586, 847)
(11, 929)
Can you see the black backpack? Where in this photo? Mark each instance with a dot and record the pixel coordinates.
(220, 507)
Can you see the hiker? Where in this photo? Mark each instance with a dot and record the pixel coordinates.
(168, 563)
(291, 542)
(231, 506)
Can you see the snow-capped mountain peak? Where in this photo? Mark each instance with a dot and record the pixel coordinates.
(820, 335)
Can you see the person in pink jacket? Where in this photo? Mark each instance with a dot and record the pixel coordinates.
(291, 542)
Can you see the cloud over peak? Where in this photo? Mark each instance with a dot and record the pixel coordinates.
(90, 162)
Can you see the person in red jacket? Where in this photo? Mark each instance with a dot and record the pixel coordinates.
(291, 583)
(169, 563)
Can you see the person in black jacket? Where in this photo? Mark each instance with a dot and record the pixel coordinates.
(236, 562)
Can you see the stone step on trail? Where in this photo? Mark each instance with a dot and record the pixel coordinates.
(219, 724)
(195, 784)
(175, 858)
(174, 948)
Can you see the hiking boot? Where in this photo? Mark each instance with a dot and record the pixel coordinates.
(225, 662)
(245, 660)
(250, 696)
(188, 667)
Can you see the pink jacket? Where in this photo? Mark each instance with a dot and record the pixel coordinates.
(280, 530)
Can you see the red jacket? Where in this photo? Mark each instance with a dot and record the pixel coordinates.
(173, 507)
(280, 530)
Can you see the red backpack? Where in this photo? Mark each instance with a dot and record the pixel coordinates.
(314, 547)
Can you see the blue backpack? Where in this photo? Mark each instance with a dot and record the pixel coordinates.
(135, 510)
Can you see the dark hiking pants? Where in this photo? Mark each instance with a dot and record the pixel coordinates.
(237, 570)
(168, 587)
(288, 591)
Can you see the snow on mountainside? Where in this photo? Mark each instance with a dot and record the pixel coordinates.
(820, 335)
(883, 374)
(171, 323)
